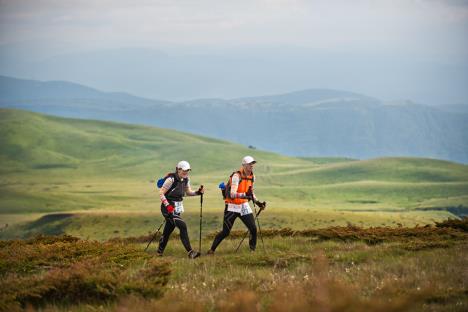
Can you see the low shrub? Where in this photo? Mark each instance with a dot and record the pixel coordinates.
(69, 270)
(454, 224)
(370, 236)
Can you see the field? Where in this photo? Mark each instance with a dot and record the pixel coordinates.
(335, 269)
(96, 181)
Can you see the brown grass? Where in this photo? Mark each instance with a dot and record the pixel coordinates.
(373, 235)
(69, 270)
(461, 224)
(332, 269)
(450, 228)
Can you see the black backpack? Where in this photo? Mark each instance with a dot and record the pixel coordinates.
(161, 181)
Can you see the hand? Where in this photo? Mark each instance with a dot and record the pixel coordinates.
(261, 205)
(201, 190)
(249, 194)
(170, 209)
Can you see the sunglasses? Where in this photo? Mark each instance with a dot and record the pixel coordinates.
(186, 171)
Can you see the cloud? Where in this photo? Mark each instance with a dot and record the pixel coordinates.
(332, 25)
(367, 45)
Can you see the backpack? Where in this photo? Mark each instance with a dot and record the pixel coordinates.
(226, 188)
(161, 181)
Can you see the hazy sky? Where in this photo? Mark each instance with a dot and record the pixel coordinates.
(431, 32)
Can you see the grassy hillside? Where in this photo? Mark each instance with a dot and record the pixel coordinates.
(35, 141)
(51, 164)
(95, 180)
(332, 269)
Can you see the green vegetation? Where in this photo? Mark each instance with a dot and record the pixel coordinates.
(340, 234)
(68, 270)
(56, 165)
(334, 269)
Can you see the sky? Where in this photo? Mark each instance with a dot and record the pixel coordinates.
(396, 49)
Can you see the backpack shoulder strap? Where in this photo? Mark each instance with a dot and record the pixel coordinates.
(246, 178)
(174, 184)
(232, 174)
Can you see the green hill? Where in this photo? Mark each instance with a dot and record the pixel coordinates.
(43, 156)
(51, 164)
(33, 141)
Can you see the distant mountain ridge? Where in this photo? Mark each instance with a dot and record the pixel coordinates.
(315, 122)
(31, 92)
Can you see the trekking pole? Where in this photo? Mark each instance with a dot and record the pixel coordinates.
(247, 232)
(154, 236)
(258, 222)
(201, 217)
(259, 229)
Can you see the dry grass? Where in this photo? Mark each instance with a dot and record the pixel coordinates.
(68, 270)
(410, 269)
(451, 228)
(371, 235)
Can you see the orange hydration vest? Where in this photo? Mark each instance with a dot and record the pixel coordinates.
(244, 183)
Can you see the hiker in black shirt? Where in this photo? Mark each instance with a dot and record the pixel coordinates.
(175, 187)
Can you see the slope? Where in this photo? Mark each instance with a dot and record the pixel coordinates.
(56, 164)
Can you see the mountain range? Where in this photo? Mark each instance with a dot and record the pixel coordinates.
(313, 122)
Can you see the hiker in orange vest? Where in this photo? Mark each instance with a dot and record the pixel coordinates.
(238, 192)
(175, 187)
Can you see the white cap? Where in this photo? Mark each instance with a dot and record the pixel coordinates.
(184, 165)
(248, 160)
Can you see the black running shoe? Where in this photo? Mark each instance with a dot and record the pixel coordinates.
(193, 254)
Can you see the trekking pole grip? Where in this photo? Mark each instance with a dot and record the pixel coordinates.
(201, 194)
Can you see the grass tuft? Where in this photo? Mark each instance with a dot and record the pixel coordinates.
(68, 270)
(454, 224)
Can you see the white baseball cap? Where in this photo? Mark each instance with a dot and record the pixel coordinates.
(184, 165)
(248, 160)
